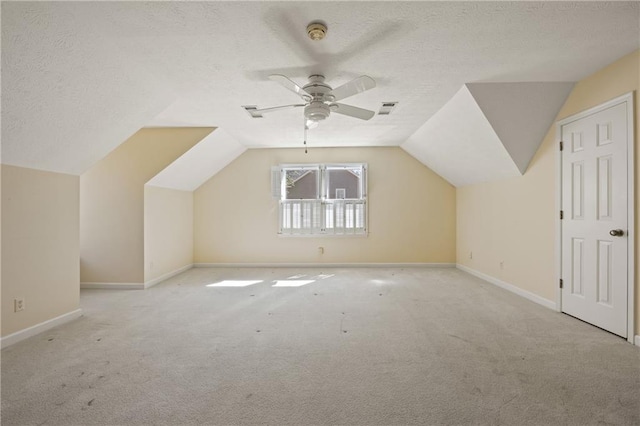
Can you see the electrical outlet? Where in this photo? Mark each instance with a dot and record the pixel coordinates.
(470, 255)
(502, 265)
(320, 250)
(18, 304)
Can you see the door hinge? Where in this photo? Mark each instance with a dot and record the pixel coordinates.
(561, 214)
(560, 282)
(561, 145)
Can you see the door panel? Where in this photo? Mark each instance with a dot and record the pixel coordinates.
(594, 201)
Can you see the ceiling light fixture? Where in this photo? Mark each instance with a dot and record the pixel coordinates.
(316, 31)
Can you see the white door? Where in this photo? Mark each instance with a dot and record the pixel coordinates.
(595, 222)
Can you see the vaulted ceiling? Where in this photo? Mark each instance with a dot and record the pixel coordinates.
(78, 78)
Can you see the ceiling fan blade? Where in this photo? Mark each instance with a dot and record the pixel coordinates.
(355, 86)
(351, 111)
(289, 84)
(277, 108)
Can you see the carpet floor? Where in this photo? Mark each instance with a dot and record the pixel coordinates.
(361, 346)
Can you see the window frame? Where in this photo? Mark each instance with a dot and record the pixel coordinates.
(314, 213)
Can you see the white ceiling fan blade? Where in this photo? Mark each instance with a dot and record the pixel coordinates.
(277, 108)
(351, 111)
(355, 86)
(289, 84)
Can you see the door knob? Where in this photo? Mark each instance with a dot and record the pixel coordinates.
(616, 232)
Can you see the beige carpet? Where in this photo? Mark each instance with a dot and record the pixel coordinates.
(355, 346)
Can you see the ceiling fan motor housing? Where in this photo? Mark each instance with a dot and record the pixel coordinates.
(317, 88)
(321, 92)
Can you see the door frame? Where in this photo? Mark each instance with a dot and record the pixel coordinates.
(628, 99)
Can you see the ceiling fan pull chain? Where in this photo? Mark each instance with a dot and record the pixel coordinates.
(305, 137)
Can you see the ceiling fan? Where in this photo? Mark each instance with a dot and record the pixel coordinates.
(320, 99)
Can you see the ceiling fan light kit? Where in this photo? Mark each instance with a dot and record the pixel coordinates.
(317, 111)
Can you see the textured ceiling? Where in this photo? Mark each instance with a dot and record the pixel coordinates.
(78, 78)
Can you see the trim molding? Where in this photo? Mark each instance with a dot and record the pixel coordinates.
(510, 287)
(113, 286)
(136, 286)
(324, 265)
(39, 328)
(168, 275)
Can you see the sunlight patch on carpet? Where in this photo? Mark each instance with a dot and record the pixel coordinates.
(234, 283)
(292, 283)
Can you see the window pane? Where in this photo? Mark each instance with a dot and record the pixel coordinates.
(323, 199)
(343, 182)
(301, 184)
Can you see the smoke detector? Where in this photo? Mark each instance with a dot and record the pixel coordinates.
(316, 31)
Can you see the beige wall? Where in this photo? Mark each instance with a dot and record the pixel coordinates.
(1, 310)
(112, 202)
(168, 231)
(513, 220)
(40, 249)
(411, 212)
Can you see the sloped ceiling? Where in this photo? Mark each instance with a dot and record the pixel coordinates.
(200, 163)
(520, 113)
(78, 78)
(488, 131)
(69, 94)
(460, 145)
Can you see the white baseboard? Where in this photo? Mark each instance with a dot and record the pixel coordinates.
(166, 276)
(324, 265)
(510, 287)
(113, 286)
(39, 328)
(637, 340)
(135, 286)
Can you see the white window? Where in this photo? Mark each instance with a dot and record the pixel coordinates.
(321, 198)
